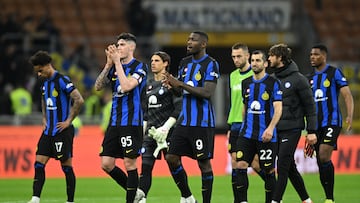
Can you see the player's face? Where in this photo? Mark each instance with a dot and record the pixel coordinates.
(240, 58)
(257, 63)
(317, 58)
(275, 62)
(124, 48)
(43, 71)
(194, 44)
(157, 64)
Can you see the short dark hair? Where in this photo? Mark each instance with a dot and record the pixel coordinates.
(281, 50)
(165, 57)
(264, 57)
(240, 46)
(40, 58)
(203, 35)
(322, 47)
(127, 37)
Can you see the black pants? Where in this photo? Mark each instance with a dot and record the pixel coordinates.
(286, 166)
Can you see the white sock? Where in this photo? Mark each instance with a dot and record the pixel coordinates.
(191, 199)
(274, 201)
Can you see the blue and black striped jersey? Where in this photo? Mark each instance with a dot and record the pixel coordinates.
(197, 111)
(161, 104)
(126, 109)
(326, 86)
(56, 95)
(258, 98)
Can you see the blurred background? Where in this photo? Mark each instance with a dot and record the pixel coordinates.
(76, 32)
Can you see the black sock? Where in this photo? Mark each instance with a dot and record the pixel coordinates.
(242, 184)
(70, 182)
(270, 182)
(132, 185)
(39, 178)
(207, 183)
(233, 184)
(327, 179)
(261, 173)
(145, 178)
(119, 176)
(180, 178)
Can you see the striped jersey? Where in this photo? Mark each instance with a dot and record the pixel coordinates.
(161, 104)
(55, 92)
(126, 109)
(197, 111)
(258, 98)
(326, 86)
(236, 105)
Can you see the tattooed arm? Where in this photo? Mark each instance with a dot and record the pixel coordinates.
(74, 111)
(102, 79)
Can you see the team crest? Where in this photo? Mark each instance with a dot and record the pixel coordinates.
(198, 76)
(326, 83)
(54, 93)
(239, 154)
(265, 96)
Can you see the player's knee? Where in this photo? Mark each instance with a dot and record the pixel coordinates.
(205, 165)
(242, 165)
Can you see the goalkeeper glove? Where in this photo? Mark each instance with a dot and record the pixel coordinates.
(160, 146)
(309, 150)
(160, 134)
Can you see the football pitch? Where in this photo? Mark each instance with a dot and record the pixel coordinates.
(163, 190)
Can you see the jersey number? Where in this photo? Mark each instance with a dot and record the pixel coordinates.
(199, 144)
(265, 154)
(126, 141)
(58, 146)
(329, 133)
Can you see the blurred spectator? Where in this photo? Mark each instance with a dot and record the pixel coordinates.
(21, 100)
(92, 103)
(106, 110)
(141, 20)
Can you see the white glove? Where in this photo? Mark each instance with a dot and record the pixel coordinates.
(160, 146)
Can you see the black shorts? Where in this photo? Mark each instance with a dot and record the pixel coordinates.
(328, 135)
(149, 145)
(59, 146)
(194, 142)
(234, 134)
(247, 148)
(122, 141)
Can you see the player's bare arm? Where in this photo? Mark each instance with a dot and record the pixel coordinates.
(127, 84)
(102, 80)
(268, 133)
(43, 114)
(349, 102)
(74, 111)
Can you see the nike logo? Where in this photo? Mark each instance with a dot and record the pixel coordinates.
(198, 155)
(59, 156)
(267, 164)
(238, 187)
(327, 140)
(113, 79)
(128, 151)
(284, 140)
(247, 95)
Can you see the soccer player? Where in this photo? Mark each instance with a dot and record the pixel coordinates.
(123, 138)
(327, 82)
(296, 104)
(194, 134)
(60, 103)
(262, 110)
(240, 56)
(161, 111)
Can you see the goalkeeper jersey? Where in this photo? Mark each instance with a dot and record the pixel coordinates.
(236, 105)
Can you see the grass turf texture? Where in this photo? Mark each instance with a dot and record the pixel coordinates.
(163, 190)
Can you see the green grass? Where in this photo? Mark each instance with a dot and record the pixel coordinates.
(104, 190)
